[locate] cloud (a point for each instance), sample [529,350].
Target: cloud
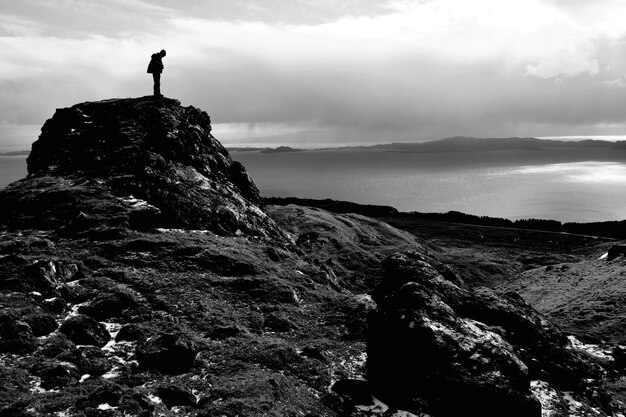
[375,70]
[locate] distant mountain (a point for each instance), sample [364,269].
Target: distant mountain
[281,149]
[469,144]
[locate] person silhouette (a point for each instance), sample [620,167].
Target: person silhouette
[155,67]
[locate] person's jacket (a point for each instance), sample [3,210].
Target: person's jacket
[155,65]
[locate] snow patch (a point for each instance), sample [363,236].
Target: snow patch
[606,255]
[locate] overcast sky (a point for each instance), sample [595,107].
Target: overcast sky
[308,72]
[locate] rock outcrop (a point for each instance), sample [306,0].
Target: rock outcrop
[437,346]
[138,163]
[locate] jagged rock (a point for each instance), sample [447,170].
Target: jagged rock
[16,336]
[55,374]
[46,275]
[92,360]
[167,352]
[107,166]
[437,346]
[131,333]
[176,395]
[84,330]
[58,346]
[108,305]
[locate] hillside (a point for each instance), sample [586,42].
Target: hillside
[471,144]
[142,274]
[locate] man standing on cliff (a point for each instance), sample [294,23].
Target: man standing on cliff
[155,67]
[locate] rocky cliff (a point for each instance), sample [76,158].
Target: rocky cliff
[140,274]
[136,163]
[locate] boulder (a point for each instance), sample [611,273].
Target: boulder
[92,360]
[132,333]
[84,330]
[615,251]
[16,336]
[107,306]
[42,324]
[437,346]
[167,352]
[58,346]
[55,374]
[45,275]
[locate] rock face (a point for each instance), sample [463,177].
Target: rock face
[437,346]
[133,163]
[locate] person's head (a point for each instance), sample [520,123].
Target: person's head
[162,53]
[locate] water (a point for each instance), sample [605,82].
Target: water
[565,185]
[12,168]
[573,185]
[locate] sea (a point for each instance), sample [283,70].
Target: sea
[564,185]
[569,186]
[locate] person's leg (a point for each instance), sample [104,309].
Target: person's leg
[157,83]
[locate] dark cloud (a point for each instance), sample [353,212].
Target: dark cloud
[327,72]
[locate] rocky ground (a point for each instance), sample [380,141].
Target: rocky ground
[141,274]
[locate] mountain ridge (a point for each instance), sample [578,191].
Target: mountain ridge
[468,144]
